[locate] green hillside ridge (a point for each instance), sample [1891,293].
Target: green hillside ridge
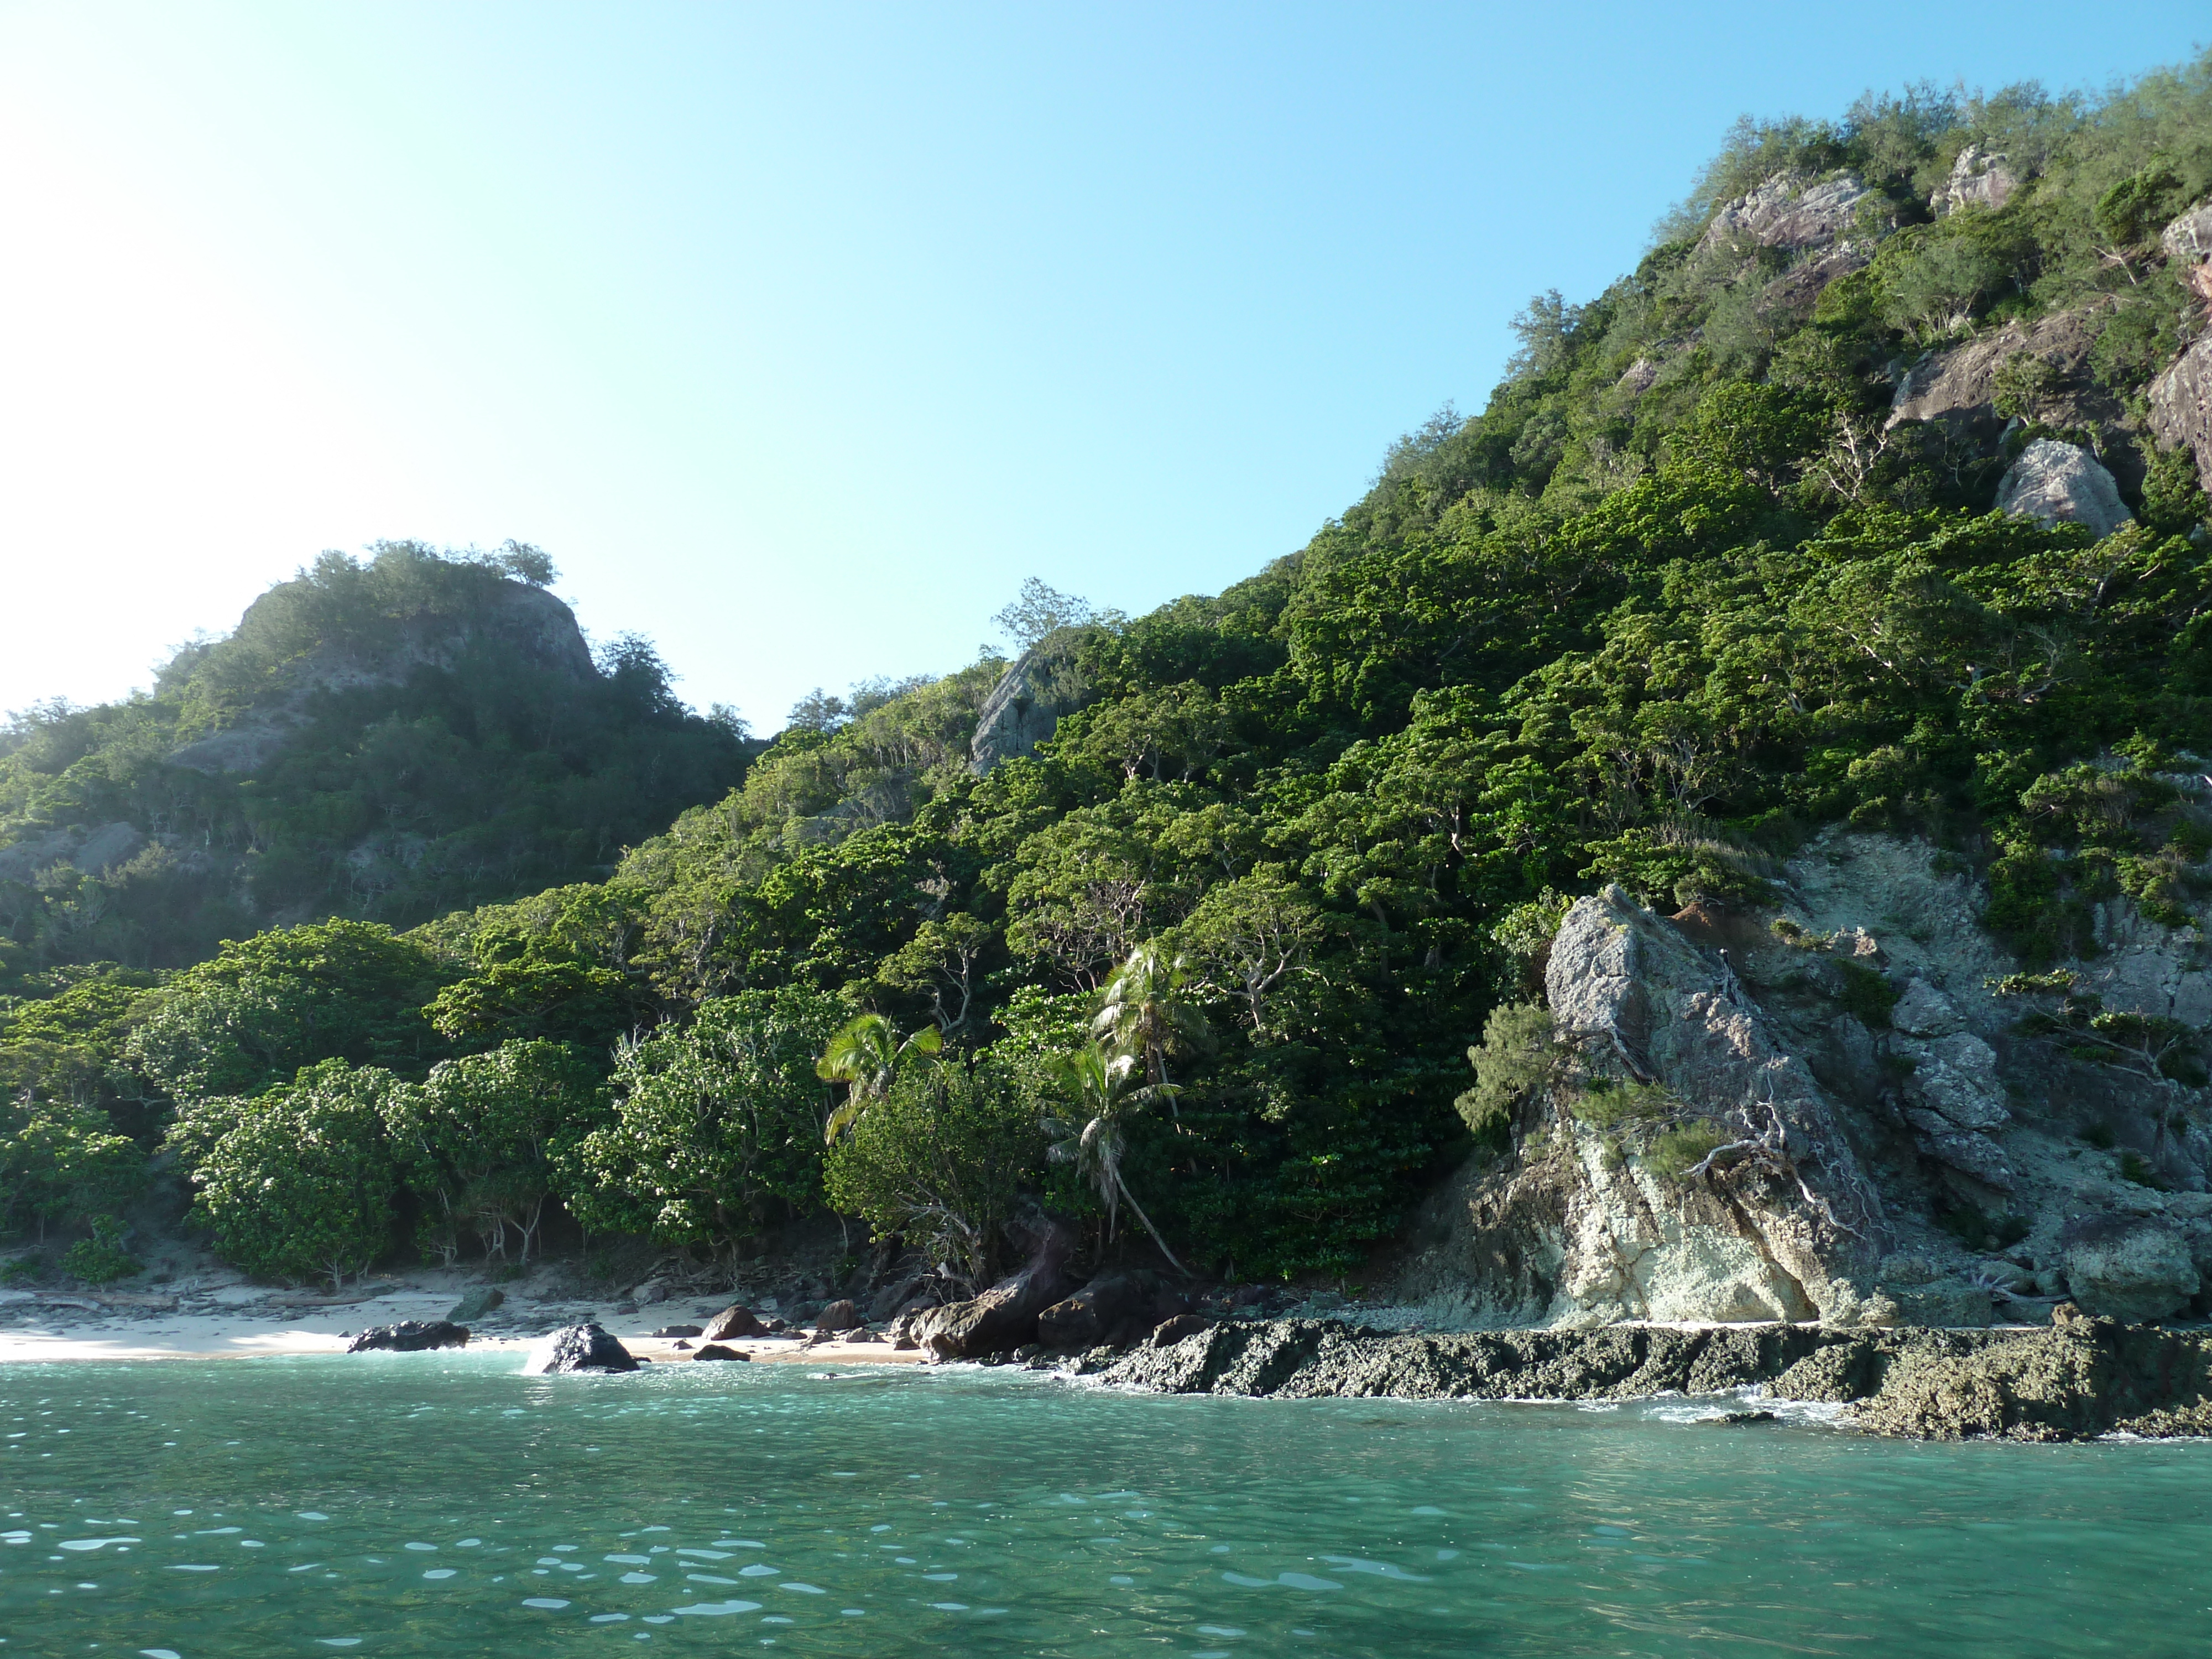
[1683,593]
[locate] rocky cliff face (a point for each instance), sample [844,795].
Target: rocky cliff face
[1876,1140]
[1026,707]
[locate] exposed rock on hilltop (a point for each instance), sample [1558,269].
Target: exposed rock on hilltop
[1788,211]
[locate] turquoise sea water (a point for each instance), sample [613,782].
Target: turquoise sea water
[435,1504]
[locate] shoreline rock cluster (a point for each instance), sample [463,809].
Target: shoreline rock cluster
[2075,1379]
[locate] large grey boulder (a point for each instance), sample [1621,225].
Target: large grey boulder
[2181,404]
[1112,1308]
[2059,482]
[1924,1011]
[1004,1316]
[1956,1077]
[1030,701]
[2128,1269]
[476,1303]
[1787,1223]
[1978,177]
[1788,211]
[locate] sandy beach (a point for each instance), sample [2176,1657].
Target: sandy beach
[245,1321]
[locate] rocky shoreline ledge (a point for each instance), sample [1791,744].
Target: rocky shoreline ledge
[2075,1379]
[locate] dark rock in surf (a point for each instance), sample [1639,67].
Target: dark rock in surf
[716,1351]
[583,1348]
[409,1336]
[680,1330]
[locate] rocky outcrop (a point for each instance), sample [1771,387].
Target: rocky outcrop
[2181,406]
[580,1348]
[1030,701]
[2068,1380]
[1113,1308]
[838,1316]
[1778,1220]
[2058,483]
[409,1336]
[1004,1316]
[1979,178]
[1855,1024]
[94,852]
[2187,245]
[1788,211]
[1958,387]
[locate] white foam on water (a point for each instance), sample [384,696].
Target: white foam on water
[304,1515]
[14,1537]
[193,1567]
[439,1572]
[469,1544]
[431,1548]
[712,1610]
[339,1641]
[659,1618]
[216,1532]
[547,1603]
[93,1543]
[157,1653]
[853,1612]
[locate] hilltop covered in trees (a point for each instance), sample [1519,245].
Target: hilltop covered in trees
[1697,581]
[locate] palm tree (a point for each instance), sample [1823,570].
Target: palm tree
[1101,1081]
[1143,1012]
[865,1055]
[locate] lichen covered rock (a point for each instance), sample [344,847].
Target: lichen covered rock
[2056,483]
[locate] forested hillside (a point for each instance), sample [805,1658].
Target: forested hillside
[1875,494]
[385,738]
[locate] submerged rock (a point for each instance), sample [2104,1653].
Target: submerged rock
[581,1348]
[409,1336]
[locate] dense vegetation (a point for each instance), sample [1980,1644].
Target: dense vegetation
[1676,600]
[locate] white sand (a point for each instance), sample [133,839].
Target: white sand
[250,1323]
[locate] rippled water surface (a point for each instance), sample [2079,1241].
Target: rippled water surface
[433,1503]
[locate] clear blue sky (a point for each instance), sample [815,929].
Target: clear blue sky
[800,335]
